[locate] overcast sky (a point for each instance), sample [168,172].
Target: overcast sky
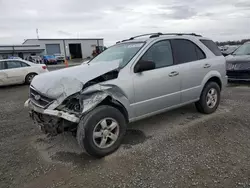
[115,20]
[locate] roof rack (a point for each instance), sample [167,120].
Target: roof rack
[179,34]
[132,38]
[153,35]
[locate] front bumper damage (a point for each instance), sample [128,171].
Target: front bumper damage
[55,121]
[51,122]
[54,113]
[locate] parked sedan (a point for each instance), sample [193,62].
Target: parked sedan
[49,59]
[238,64]
[13,71]
[35,59]
[14,57]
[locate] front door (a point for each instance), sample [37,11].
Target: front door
[15,71]
[3,74]
[157,89]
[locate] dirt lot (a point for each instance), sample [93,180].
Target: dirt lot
[181,148]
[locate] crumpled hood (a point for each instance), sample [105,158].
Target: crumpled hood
[70,80]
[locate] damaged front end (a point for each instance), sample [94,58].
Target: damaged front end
[65,112]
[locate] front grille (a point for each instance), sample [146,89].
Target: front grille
[243,74]
[39,99]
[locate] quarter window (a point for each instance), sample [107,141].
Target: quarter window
[212,47]
[24,64]
[160,53]
[186,51]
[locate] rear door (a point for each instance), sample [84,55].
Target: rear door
[194,67]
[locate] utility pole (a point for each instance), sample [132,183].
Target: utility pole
[13,50]
[65,58]
[37,33]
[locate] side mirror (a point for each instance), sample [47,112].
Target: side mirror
[144,66]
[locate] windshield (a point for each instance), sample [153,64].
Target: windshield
[243,50]
[120,52]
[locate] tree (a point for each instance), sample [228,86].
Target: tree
[238,42]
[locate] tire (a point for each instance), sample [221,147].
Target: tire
[202,105]
[29,78]
[91,123]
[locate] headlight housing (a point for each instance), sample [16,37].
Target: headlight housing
[71,104]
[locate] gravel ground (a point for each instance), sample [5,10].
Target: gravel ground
[181,148]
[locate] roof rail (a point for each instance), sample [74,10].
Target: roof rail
[180,34]
[132,38]
[153,35]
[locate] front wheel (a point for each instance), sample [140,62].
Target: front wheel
[209,99]
[101,131]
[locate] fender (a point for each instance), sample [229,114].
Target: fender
[94,95]
[210,75]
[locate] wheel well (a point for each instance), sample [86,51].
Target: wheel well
[117,105]
[30,74]
[216,80]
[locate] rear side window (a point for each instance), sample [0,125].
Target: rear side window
[13,64]
[186,51]
[212,46]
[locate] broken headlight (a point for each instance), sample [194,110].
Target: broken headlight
[71,104]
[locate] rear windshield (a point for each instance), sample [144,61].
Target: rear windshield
[212,46]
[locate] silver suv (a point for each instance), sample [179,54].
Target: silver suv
[134,79]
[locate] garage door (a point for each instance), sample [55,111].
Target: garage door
[52,49]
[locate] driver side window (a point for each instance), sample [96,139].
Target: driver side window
[160,53]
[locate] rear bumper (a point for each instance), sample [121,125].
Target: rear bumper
[238,75]
[55,113]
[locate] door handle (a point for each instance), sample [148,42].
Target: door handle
[174,73]
[207,66]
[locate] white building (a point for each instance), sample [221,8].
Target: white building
[75,48]
[72,48]
[22,51]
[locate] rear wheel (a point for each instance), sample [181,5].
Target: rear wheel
[29,78]
[101,131]
[209,99]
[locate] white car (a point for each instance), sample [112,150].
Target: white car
[15,71]
[85,62]
[59,57]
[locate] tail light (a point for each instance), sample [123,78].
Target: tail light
[44,67]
